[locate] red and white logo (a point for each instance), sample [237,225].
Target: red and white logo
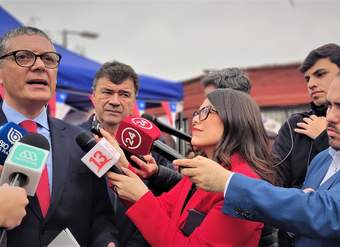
[142,122]
[99,159]
[131,138]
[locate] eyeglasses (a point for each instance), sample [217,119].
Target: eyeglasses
[204,112]
[25,58]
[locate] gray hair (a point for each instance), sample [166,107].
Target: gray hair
[25,30]
[233,78]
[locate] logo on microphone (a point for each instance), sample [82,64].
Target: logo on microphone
[99,159]
[142,122]
[28,155]
[13,136]
[131,138]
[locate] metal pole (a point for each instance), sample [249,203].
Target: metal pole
[64,35]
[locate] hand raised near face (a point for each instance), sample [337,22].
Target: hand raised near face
[311,126]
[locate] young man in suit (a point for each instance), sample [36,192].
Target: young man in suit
[313,213]
[69,195]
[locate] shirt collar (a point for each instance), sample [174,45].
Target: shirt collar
[334,153]
[16,117]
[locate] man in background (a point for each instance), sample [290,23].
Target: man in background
[233,78]
[114,91]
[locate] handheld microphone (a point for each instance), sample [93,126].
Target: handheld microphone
[10,133]
[25,162]
[139,136]
[166,128]
[100,157]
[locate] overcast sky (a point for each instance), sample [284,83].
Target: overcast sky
[177,40]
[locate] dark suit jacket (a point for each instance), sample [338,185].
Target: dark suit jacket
[79,199]
[129,236]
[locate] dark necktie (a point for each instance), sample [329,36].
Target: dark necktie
[43,189]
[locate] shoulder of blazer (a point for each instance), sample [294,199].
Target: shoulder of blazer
[317,163]
[323,155]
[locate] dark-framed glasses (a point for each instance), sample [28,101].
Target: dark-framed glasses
[204,112]
[25,58]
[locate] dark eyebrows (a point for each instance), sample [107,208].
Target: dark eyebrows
[321,70]
[105,89]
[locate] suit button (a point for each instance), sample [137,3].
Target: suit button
[238,211]
[247,214]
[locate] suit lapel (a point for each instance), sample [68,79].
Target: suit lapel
[195,202]
[320,172]
[60,162]
[328,184]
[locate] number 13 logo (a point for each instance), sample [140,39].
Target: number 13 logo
[99,159]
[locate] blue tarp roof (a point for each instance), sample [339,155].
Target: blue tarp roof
[76,73]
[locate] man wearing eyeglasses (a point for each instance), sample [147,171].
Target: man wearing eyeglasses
[69,195]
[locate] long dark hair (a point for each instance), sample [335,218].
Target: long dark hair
[244,132]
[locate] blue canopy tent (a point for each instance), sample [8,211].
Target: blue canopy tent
[76,73]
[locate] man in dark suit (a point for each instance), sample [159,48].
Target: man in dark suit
[69,195]
[115,88]
[313,213]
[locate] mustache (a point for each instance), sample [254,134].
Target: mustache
[332,126]
[112,106]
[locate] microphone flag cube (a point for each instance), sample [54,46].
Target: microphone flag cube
[136,135]
[27,160]
[101,157]
[10,133]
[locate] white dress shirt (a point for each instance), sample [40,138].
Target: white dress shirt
[335,165]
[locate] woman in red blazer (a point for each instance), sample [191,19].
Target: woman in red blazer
[228,129]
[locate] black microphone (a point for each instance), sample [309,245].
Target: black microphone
[167,129]
[166,151]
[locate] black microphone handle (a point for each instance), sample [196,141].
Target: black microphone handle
[116,169]
[3,237]
[175,132]
[167,129]
[166,151]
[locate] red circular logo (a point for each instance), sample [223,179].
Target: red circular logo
[142,122]
[131,138]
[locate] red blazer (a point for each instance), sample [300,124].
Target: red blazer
[160,219]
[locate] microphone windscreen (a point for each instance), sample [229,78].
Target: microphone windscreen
[36,140]
[100,157]
[148,117]
[86,141]
[26,161]
[136,135]
[10,133]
